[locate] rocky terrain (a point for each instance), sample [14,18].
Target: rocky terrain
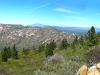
[27,36]
[93,70]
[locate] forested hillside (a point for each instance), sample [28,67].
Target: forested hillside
[51,58]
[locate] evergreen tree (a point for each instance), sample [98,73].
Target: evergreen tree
[53,45]
[50,48]
[91,37]
[47,51]
[81,40]
[4,55]
[14,52]
[64,44]
[74,43]
[98,35]
[8,52]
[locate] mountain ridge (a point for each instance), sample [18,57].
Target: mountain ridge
[81,31]
[27,36]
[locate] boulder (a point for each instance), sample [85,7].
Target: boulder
[98,67]
[82,70]
[93,70]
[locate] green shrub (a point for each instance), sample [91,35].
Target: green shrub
[25,51]
[56,58]
[93,55]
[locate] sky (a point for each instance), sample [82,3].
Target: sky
[81,13]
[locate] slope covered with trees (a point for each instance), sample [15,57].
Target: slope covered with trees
[52,59]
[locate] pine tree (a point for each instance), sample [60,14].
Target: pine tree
[53,45]
[76,40]
[8,52]
[14,52]
[49,49]
[98,35]
[64,44]
[91,37]
[4,55]
[81,40]
[74,43]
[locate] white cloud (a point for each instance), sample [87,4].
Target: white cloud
[39,7]
[79,18]
[96,14]
[64,10]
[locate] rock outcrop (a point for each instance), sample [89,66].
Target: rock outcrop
[82,70]
[93,70]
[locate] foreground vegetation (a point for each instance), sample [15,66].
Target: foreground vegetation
[50,59]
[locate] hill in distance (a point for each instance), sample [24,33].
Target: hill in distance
[81,31]
[28,36]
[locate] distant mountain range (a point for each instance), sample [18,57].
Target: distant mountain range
[28,36]
[77,30]
[35,34]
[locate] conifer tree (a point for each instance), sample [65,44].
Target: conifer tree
[81,40]
[98,35]
[4,55]
[53,45]
[64,44]
[76,40]
[92,37]
[47,51]
[50,48]
[8,52]
[14,52]
[74,43]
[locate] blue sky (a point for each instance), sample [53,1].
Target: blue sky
[81,13]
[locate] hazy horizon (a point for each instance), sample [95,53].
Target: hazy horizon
[80,13]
